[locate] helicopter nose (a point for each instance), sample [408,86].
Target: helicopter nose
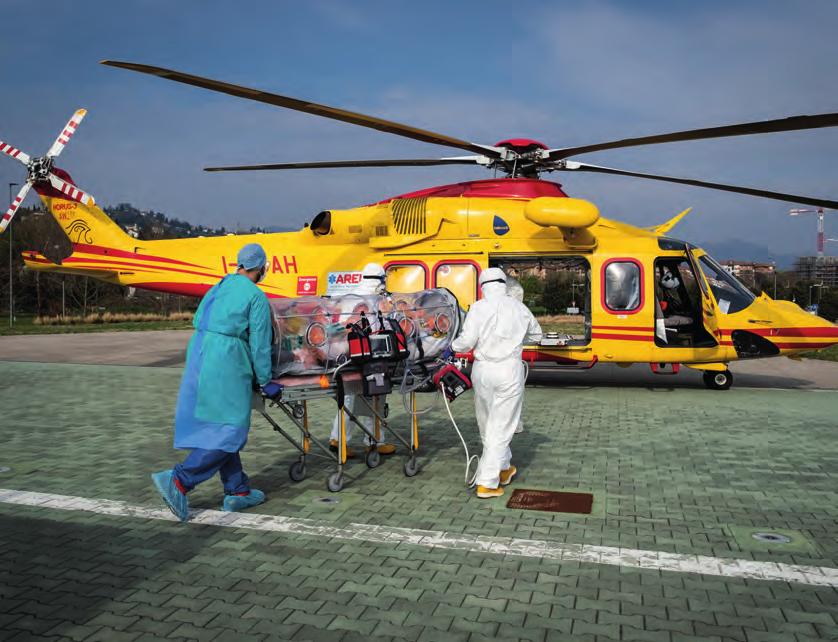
[803,330]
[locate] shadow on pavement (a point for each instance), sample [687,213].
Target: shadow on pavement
[635,377]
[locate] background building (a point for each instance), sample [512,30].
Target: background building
[820,269]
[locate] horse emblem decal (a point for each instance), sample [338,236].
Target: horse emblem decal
[79,232]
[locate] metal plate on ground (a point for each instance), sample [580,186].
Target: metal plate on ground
[551,501]
[771,538]
[750,538]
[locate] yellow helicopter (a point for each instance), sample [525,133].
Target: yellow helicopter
[646,297]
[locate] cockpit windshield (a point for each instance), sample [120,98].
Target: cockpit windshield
[731,295]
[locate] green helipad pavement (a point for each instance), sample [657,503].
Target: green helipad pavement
[687,472]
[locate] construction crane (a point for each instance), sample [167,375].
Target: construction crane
[819,212]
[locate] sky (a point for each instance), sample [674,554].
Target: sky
[564,73]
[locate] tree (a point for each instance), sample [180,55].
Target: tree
[533,290]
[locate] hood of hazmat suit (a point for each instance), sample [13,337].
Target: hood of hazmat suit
[498,325]
[230,348]
[514,289]
[373,280]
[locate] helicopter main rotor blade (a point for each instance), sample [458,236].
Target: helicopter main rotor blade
[400,162]
[792,123]
[791,198]
[308,107]
[9,215]
[66,134]
[70,191]
[14,152]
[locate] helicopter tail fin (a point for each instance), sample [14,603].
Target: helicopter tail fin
[84,224]
[665,227]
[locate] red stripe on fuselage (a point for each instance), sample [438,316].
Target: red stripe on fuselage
[631,328]
[187,289]
[622,337]
[104,264]
[108,251]
[805,346]
[166,268]
[811,331]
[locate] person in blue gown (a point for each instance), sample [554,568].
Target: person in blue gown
[229,351]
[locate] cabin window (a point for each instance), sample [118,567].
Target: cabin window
[677,304]
[731,295]
[557,290]
[622,281]
[460,278]
[406,277]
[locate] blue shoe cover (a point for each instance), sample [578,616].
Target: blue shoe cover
[164,482]
[233,503]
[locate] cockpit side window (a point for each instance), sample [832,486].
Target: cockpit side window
[731,295]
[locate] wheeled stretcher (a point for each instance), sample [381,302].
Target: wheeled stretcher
[293,400]
[367,347]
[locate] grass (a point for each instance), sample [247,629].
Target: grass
[112,317]
[562,323]
[29,324]
[108,322]
[827,354]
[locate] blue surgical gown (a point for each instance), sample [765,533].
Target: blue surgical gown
[230,349]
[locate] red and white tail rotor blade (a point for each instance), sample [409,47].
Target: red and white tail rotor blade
[14,152]
[65,136]
[7,217]
[71,191]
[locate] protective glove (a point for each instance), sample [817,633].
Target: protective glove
[271,389]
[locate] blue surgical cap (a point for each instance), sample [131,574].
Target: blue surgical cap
[252,256]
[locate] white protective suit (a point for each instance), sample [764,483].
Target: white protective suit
[516,291]
[372,282]
[496,328]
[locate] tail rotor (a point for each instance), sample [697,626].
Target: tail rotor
[39,170]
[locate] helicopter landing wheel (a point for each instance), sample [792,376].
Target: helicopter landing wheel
[718,380]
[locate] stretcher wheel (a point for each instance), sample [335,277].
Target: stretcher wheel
[411,467]
[373,458]
[297,471]
[335,482]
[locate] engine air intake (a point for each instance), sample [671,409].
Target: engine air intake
[409,215]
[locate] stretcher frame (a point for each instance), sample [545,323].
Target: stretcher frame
[293,402]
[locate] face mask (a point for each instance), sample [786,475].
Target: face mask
[379,286]
[262,273]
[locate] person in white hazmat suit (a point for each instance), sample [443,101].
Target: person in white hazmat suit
[516,291]
[496,328]
[373,280]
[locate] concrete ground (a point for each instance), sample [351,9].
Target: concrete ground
[682,477]
[168,348]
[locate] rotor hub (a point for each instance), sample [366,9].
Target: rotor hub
[521,157]
[521,145]
[40,168]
